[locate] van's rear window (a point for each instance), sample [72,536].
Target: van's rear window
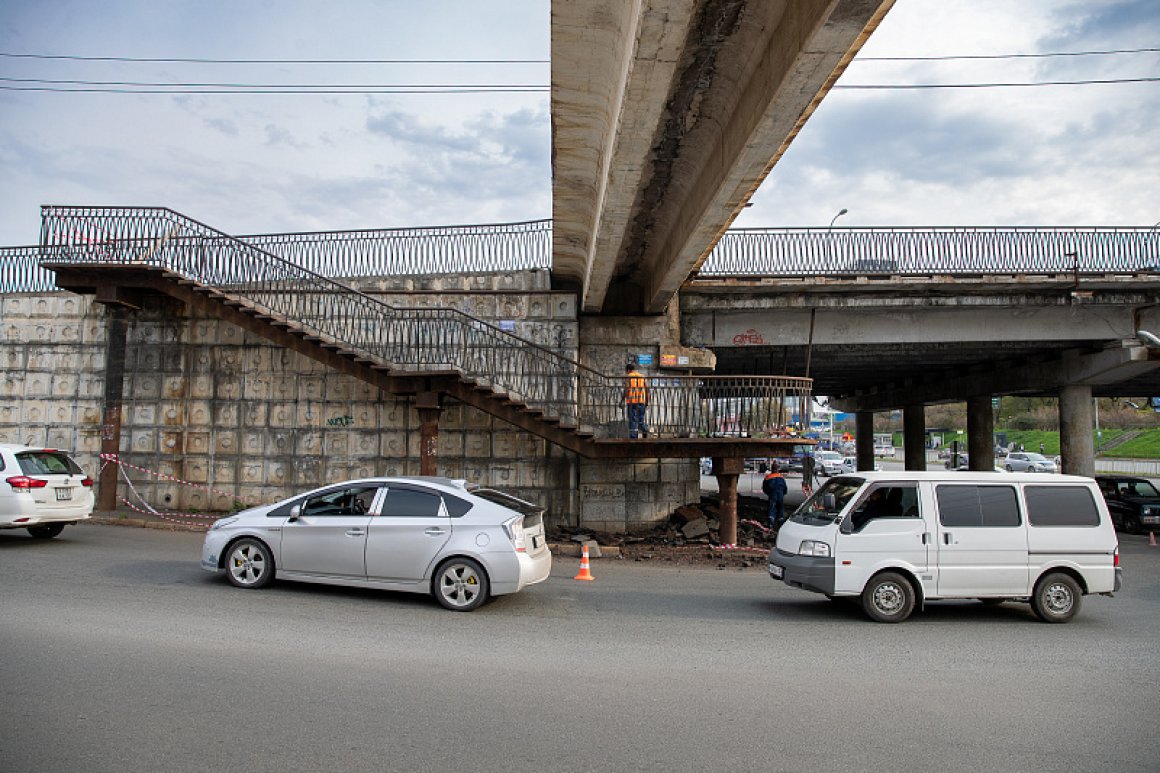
[1061,506]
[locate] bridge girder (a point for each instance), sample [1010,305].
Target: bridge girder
[666,116]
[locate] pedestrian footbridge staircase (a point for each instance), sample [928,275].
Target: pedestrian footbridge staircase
[119,255]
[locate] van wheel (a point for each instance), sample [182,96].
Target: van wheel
[46,530]
[1057,598]
[888,598]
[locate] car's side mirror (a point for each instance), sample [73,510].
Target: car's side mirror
[295,513]
[846,526]
[830,502]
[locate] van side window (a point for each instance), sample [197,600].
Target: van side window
[1061,506]
[989,507]
[886,501]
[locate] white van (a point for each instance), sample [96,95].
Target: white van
[899,539]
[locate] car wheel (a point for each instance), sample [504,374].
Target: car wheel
[888,598]
[1010,469]
[1057,598]
[460,584]
[46,530]
[249,564]
[1132,524]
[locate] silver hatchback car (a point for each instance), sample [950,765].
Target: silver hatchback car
[1027,461]
[460,543]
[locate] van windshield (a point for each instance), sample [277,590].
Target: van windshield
[825,504]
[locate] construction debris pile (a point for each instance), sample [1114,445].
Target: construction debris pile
[687,528]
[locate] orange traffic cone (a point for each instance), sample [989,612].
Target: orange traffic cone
[584,573]
[1152,538]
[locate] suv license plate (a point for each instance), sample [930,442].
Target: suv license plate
[63,494]
[776,572]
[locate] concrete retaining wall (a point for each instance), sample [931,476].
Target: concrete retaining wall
[234,417]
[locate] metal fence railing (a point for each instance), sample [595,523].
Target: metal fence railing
[20,271]
[434,251]
[413,340]
[921,251]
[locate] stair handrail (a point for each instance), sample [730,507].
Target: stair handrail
[432,340]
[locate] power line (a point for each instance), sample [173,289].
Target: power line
[206,60]
[1109,52]
[354,90]
[887,86]
[171,60]
[295,86]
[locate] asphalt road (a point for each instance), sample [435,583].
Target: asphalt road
[118,653]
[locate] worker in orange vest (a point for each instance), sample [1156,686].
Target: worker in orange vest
[774,487]
[635,401]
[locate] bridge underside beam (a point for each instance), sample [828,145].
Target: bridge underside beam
[666,116]
[1125,363]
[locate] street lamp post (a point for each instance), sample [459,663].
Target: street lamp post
[829,237]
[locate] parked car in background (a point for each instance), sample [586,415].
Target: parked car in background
[1028,461]
[42,490]
[1134,503]
[459,543]
[827,463]
[959,461]
[850,464]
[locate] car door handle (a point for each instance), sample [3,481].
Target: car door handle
[356,532]
[926,538]
[946,537]
[435,531]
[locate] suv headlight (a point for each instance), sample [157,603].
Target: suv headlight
[812,547]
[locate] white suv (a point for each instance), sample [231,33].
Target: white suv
[42,490]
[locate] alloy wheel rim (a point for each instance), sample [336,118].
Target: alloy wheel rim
[459,585]
[247,564]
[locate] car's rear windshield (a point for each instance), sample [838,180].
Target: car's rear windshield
[508,501]
[47,463]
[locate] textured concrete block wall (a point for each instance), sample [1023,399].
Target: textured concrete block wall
[238,419]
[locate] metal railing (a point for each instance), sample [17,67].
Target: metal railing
[922,251]
[413,340]
[20,271]
[432,251]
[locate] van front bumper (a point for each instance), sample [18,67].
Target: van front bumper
[807,572]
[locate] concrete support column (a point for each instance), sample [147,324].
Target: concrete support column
[1076,422]
[864,439]
[430,408]
[980,434]
[914,437]
[116,334]
[727,470]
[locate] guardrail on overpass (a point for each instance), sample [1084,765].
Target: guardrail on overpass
[922,251]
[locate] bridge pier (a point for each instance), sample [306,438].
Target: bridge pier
[1076,419]
[430,408]
[727,470]
[914,437]
[980,434]
[116,334]
[864,439]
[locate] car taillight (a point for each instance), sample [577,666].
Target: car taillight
[1116,557]
[25,483]
[515,530]
[87,482]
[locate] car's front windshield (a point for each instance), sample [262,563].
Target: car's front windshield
[825,504]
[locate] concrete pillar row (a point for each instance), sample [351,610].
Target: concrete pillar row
[1076,424]
[980,434]
[864,439]
[914,437]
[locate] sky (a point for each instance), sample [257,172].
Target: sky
[258,163]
